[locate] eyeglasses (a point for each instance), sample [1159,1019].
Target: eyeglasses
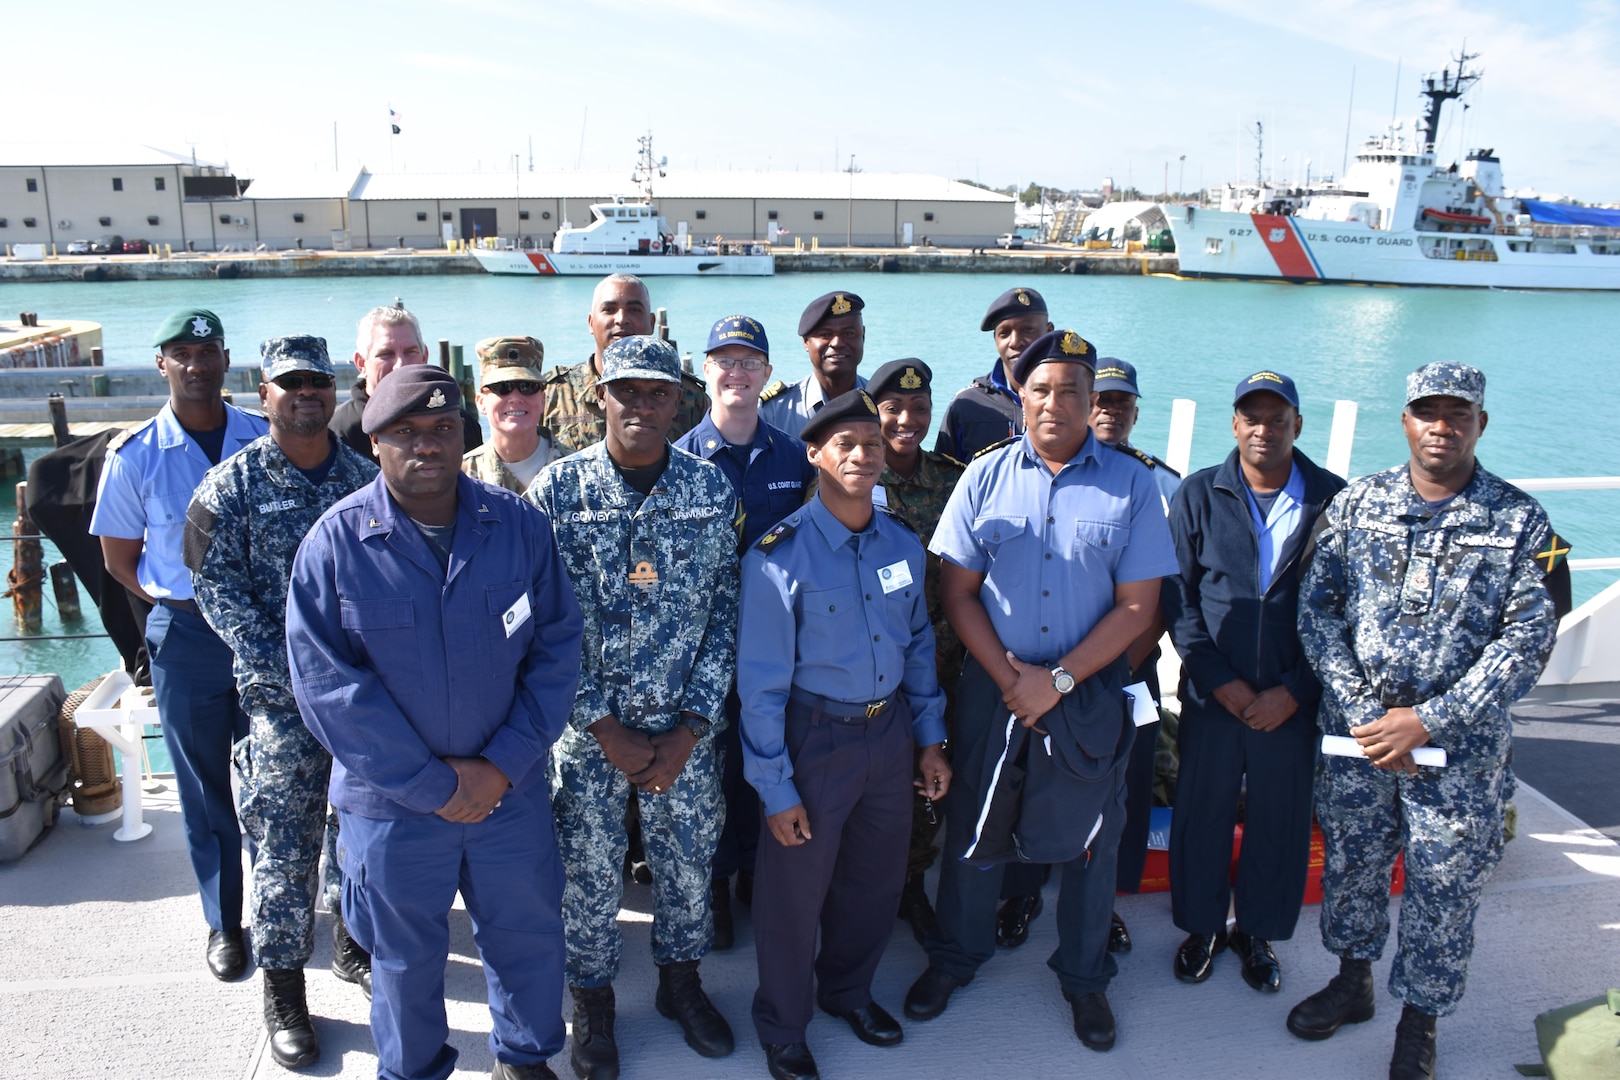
[726,363]
[522,386]
[293,383]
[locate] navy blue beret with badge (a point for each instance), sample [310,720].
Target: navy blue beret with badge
[855,406]
[1270,382]
[738,330]
[419,388]
[827,307]
[1114,374]
[1056,347]
[1013,302]
[908,376]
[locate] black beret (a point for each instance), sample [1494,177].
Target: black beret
[1056,346]
[420,388]
[908,376]
[855,405]
[1012,302]
[825,307]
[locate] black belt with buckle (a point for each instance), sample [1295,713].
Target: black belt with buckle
[188,606]
[841,710]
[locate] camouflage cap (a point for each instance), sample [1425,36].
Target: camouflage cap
[295,352]
[189,324]
[640,357]
[1446,378]
[1058,347]
[420,388]
[509,359]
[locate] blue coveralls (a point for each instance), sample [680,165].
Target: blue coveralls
[146,485]
[397,664]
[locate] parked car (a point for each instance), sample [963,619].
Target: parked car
[136,247]
[107,245]
[1010,242]
[78,247]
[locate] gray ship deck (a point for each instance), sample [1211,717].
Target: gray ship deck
[101,969]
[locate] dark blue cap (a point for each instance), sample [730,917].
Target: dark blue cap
[857,405]
[419,388]
[1269,382]
[1113,374]
[908,376]
[1019,301]
[738,330]
[827,307]
[1055,346]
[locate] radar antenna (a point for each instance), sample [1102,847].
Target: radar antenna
[646,168]
[1446,86]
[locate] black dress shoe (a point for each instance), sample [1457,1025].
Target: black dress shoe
[350,962]
[1260,967]
[931,992]
[681,998]
[286,1018]
[725,930]
[1093,1020]
[1347,999]
[1012,921]
[1196,957]
[917,911]
[227,954]
[872,1024]
[1119,938]
[790,1061]
[505,1070]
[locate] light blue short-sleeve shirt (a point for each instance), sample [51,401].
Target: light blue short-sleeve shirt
[1052,548]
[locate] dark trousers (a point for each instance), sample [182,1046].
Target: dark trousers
[1217,753]
[197,703]
[739,835]
[854,779]
[967,896]
[400,878]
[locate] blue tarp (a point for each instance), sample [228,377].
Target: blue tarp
[1558,214]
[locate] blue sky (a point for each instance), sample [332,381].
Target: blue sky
[1065,94]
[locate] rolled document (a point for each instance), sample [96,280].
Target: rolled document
[1345,746]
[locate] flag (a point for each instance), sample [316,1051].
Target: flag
[393,121]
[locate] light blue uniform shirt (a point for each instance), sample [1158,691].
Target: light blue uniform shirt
[146,485]
[816,614]
[1052,548]
[793,406]
[1274,529]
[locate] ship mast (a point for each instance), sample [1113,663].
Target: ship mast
[646,168]
[1442,88]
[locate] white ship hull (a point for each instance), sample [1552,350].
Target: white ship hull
[548,263]
[1218,244]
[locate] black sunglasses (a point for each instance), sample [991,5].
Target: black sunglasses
[523,386]
[295,382]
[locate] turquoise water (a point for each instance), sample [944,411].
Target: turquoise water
[1549,357]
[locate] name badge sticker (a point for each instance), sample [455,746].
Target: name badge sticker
[516,615]
[894,576]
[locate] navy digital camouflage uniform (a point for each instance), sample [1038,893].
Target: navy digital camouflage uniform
[657,580]
[243,527]
[1444,611]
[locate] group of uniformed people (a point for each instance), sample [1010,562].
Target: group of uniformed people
[757,631]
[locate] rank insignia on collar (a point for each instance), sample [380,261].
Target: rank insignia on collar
[766,542]
[482,509]
[710,445]
[910,380]
[373,524]
[840,306]
[644,575]
[1557,551]
[437,400]
[1022,297]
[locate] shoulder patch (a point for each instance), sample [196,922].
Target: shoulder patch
[1008,441]
[783,528]
[1554,554]
[950,460]
[772,390]
[1145,458]
[897,516]
[122,437]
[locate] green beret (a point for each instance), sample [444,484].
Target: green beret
[190,324]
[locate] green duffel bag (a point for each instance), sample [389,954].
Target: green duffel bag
[1579,1042]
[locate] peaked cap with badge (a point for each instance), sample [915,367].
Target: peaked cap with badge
[1267,382]
[906,376]
[189,325]
[1013,302]
[829,306]
[856,406]
[420,388]
[509,359]
[294,352]
[1054,347]
[1115,374]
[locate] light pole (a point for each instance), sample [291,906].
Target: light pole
[849,235]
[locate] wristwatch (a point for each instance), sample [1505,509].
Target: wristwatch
[1062,681]
[696,724]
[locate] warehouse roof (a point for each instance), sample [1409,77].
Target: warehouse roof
[92,155]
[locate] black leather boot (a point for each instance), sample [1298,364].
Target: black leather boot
[1348,999]
[286,1017]
[350,962]
[594,1056]
[1414,1046]
[681,998]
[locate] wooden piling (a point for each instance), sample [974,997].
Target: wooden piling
[59,423]
[66,588]
[28,566]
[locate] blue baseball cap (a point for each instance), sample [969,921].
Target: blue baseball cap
[1113,374]
[1269,382]
[738,330]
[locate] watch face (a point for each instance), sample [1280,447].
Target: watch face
[1062,681]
